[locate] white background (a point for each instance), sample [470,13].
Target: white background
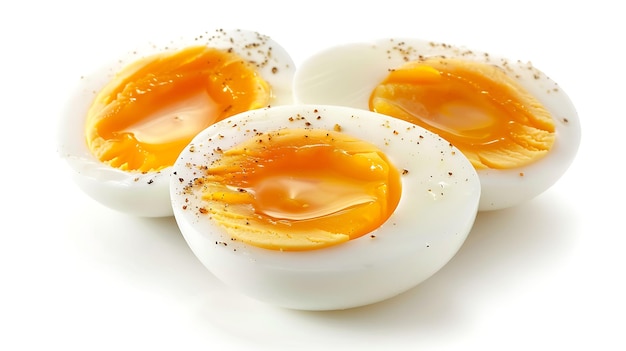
[74,275]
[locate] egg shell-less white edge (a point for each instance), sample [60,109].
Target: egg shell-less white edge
[147,194]
[347,74]
[439,202]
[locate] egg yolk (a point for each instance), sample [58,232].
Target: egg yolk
[145,116]
[477,107]
[300,189]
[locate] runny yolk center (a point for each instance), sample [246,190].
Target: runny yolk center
[477,107]
[301,189]
[143,118]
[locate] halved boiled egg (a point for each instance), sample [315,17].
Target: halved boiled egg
[322,207]
[517,127]
[127,122]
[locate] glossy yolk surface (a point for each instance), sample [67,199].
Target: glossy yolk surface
[144,117]
[490,117]
[298,189]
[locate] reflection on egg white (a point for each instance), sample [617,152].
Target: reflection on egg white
[147,194]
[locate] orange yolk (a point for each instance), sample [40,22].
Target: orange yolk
[143,118]
[300,189]
[490,117]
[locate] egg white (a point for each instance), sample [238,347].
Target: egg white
[438,205]
[147,194]
[346,75]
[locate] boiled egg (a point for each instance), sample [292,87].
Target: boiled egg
[127,122]
[319,207]
[518,128]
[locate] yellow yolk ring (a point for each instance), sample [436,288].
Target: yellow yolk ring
[143,118]
[300,189]
[477,107]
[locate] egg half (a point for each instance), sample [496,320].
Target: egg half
[517,126]
[318,207]
[126,123]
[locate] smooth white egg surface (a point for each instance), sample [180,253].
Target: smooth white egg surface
[126,122]
[517,126]
[261,204]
